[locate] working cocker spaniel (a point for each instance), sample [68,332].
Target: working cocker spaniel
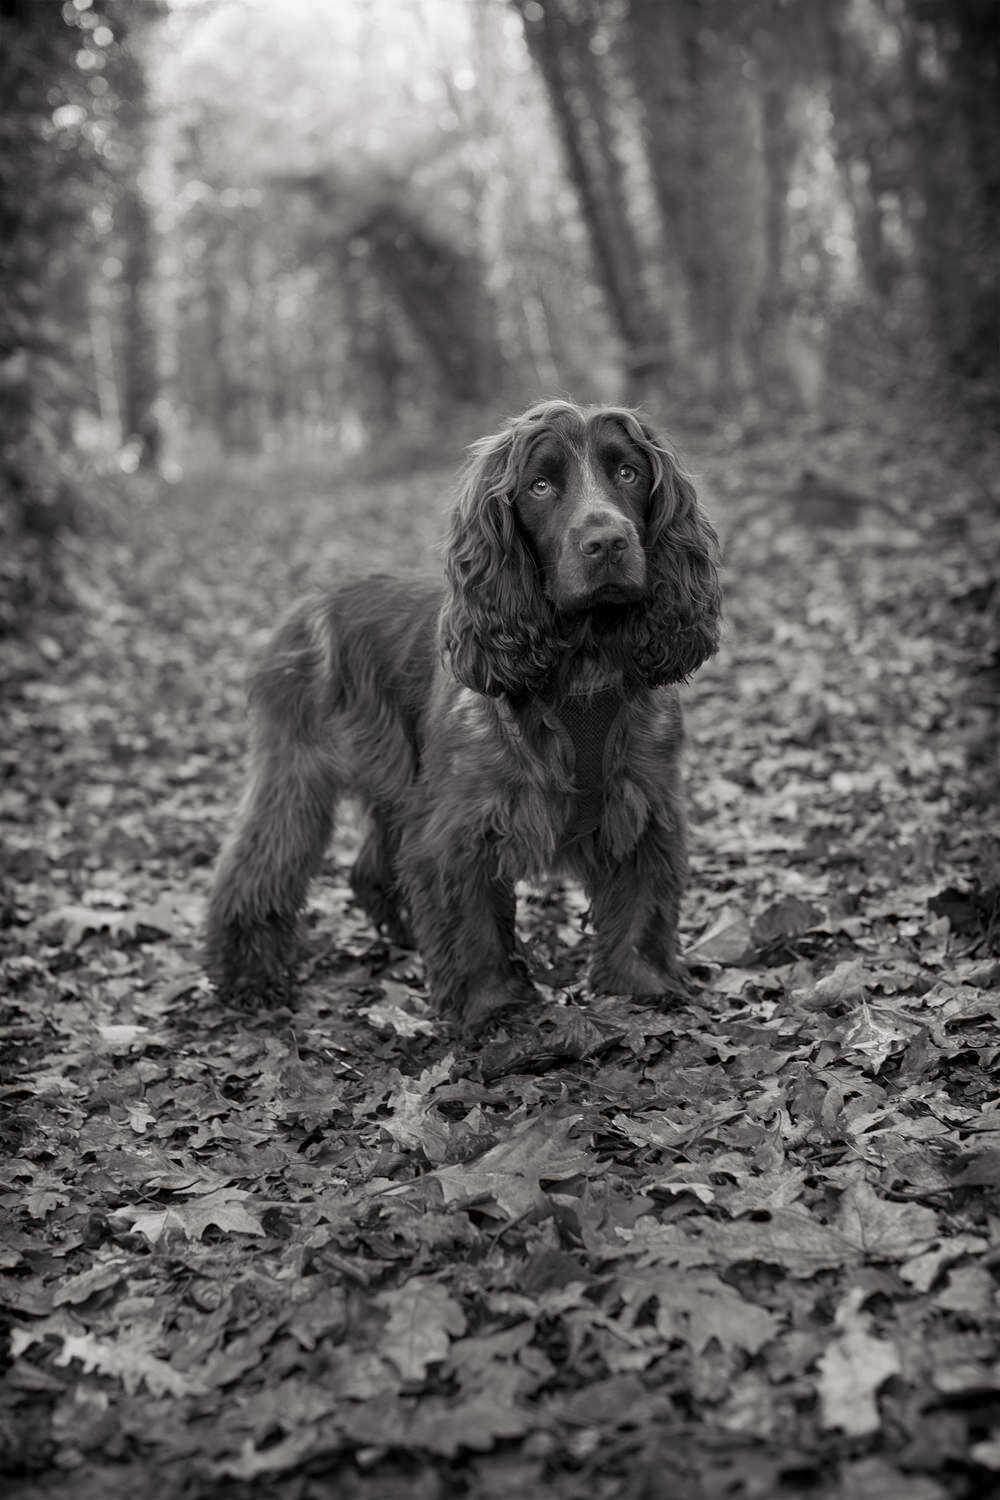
[520,719]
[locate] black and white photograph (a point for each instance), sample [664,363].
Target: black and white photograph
[499,749]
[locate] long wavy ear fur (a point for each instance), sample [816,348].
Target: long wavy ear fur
[679,627]
[496,626]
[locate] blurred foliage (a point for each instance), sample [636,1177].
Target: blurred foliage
[366,220]
[46,162]
[234,226]
[60,165]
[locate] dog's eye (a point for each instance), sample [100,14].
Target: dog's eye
[540,487]
[627,473]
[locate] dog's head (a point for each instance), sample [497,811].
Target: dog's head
[572,515]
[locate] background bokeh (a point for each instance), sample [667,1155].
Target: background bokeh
[242,226]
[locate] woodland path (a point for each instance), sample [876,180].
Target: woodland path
[746,1247]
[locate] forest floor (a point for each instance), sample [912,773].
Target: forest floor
[747,1246]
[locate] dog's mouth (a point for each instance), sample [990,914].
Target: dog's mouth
[613,593]
[610,596]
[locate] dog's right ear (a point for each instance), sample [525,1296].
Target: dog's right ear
[496,627]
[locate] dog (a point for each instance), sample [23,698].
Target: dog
[523,718]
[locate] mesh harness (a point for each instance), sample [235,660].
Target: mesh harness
[586,724]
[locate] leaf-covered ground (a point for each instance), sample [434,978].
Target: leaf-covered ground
[747,1247]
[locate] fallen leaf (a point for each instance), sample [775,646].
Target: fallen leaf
[970,1291]
[790,917]
[987,1452]
[224,1208]
[851,1370]
[876,1479]
[130,1363]
[103,1277]
[436,1424]
[980,1170]
[789,1237]
[402,1010]
[922,1271]
[726,941]
[510,1174]
[844,985]
[277,1458]
[698,1308]
[423,1319]
[882,1229]
[412,1120]
[873,1035]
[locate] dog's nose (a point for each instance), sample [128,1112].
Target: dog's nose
[605,540]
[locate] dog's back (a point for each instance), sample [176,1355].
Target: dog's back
[383,636]
[381,633]
[366,646]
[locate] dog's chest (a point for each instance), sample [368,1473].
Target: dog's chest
[587,725]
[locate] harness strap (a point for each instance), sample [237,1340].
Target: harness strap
[586,724]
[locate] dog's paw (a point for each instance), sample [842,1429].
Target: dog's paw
[486,997]
[257,994]
[253,987]
[250,964]
[633,976]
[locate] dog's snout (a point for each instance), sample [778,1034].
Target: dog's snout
[603,539]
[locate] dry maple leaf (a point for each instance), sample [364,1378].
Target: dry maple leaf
[224,1209]
[510,1174]
[882,1229]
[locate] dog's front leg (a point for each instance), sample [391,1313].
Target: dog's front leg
[635,909]
[463,921]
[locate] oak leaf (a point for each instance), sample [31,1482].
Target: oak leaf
[129,1362]
[423,1319]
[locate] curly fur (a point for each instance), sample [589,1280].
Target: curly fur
[577,559]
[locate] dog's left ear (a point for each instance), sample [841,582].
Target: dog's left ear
[679,628]
[496,626]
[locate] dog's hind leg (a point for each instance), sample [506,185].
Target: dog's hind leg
[285,819]
[265,868]
[504,903]
[375,882]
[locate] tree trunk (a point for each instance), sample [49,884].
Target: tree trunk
[865,152]
[559,39]
[440,291]
[952,59]
[701,125]
[139,362]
